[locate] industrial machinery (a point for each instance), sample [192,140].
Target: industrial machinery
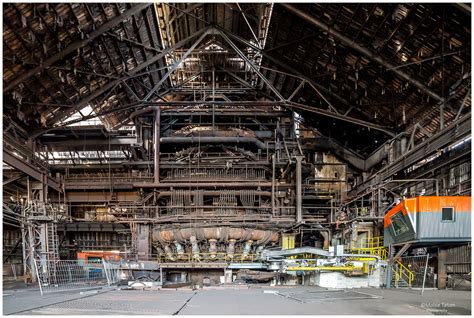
[191,141]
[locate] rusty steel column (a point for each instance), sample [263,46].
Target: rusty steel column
[299,201]
[442,272]
[156,145]
[273,185]
[143,242]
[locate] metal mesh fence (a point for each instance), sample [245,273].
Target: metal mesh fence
[113,272]
[64,275]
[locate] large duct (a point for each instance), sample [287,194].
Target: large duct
[220,234]
[228,236]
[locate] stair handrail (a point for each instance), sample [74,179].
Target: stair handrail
[405,272]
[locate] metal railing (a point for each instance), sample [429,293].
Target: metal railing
[66,275]
[372,242]
[372,246]
[402,275]
[416,265]
[378,251]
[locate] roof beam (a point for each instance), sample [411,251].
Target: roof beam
[86,100]
[76,45]
[30,170]
[376,58]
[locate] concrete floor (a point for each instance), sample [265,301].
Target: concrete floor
[239,300]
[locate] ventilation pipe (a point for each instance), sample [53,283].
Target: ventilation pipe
[179,250]
[213,248]
[259,250]
[231,249]
[169,253]
[325,235]
[247,247]
[299,195]
[194,248]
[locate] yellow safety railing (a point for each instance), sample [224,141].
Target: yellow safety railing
[324,268]
[371,242]
[371,246]
[401,271]
[378,251]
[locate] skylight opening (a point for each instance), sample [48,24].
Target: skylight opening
[86,111]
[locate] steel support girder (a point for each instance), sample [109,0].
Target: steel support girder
[78,44]
[86,100]
[325,143]
[286,104]
[156,145]
[251,64]
[296,74]
[197,139]
[364,51]
[175,65]
[30,170]
[340,117]
[12,179]
[223,112]
[440,140]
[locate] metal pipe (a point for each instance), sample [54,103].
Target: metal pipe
[195,247]
[424,275]
[197,139]
[179,248]
[269,254]
[212,248]
[299,201]
[325,235]
[156,141]
[362,255]
[205,185]
[247,247]
[213,193]
[273,184]
[351,43]
[231,248]
[169,253]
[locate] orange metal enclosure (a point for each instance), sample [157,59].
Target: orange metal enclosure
[429,219]
[98,255]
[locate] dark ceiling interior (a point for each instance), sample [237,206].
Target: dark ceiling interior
[389,65]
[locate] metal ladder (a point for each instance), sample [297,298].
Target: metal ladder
[53,241]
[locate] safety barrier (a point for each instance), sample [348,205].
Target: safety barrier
[66,275]
[372,246]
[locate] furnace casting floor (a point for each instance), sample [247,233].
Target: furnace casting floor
[239,301]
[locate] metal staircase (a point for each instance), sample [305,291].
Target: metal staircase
[403,276]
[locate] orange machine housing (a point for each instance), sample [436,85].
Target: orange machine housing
[87,256]
[421,219]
